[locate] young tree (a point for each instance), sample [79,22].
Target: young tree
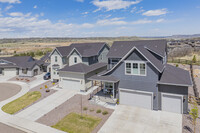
[194,113]
[194,60]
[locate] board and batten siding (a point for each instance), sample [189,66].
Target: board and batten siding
[102,57]
[142,83]
[72,56]
[59,62]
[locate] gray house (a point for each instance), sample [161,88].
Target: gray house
[72,65]
[138,75]
[25,66]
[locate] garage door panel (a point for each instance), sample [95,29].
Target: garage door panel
[71,84]
[172,103]
[137,99]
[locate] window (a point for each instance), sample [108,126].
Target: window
[75,59]
[135,68]
[128,68]
[56,58]
[24,71]
[142,69]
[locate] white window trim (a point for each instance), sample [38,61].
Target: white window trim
[138,62]
[75,59]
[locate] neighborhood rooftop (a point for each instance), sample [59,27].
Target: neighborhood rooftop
[84,49]
[83,68]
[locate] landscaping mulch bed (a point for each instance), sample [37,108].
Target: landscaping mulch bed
[42,91]
[23,79]
[74,105]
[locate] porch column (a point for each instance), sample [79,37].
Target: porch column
[113,90]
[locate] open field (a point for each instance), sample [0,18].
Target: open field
[9,47]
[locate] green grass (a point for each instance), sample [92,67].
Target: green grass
[75,123]
[22,102]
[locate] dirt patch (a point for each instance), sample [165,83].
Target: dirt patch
[8,90]
[74,105]
[23,79]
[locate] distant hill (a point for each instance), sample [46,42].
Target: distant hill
[184,36]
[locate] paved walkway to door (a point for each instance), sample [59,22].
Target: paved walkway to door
[127,119]
[41,108]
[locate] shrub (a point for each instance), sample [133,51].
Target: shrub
[105,112]
[91,110]
[176,65]
[85,108]
[98,111]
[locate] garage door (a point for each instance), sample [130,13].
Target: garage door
[10,72]
[171,103]
[138,99]
[71,84]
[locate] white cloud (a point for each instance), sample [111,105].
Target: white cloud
[157,12]
[10,1]
[133,9]
[35,7]
[80,0]
[113,4]
[113,21]
[8,7]
[19,14]
[85,13]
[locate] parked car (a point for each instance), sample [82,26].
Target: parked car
[47,76]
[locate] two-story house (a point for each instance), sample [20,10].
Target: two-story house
[138,75]
[71,65]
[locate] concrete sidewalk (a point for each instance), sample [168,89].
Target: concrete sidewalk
[38,81]
[27,125]
[41,108]
[23,91]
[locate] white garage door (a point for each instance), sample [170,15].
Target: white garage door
[138,99]
[172,103]
[10,72]
[71,84]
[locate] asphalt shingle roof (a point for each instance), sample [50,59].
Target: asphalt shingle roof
[85,49]
[20,61]
[83,68]
[175,76]
[120,48]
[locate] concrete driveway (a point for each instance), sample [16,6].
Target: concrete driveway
[126,119]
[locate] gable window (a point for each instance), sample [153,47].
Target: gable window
[135,68]
[56,58]
[128,68]
[75,59]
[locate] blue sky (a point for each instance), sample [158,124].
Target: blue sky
[103,18]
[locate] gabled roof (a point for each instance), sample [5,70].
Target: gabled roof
[175,76]
[83,68]
[88,49]
[120,48]
[45,57]
[19,61]
[84,49]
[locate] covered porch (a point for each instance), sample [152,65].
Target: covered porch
[108,91]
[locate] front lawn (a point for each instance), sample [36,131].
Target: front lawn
[75,123]
[22,102]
